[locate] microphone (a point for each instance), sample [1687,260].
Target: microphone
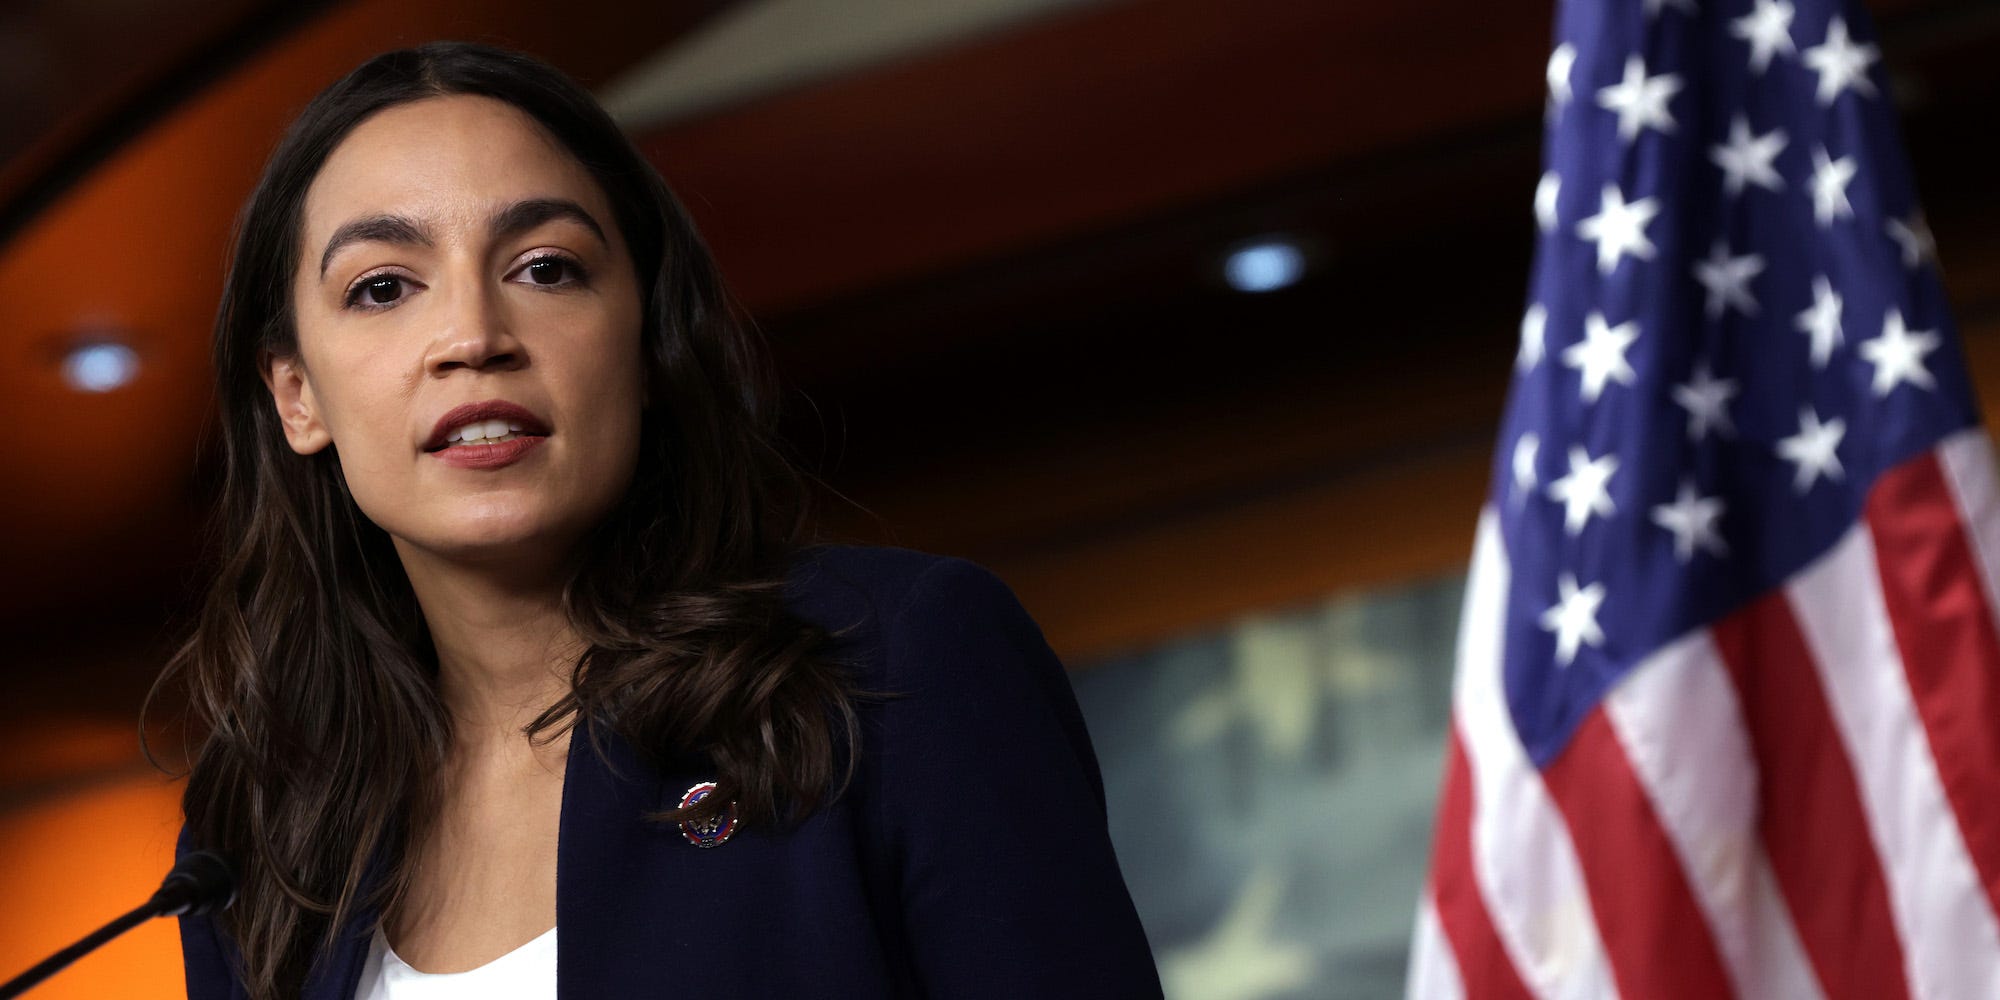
[201,881]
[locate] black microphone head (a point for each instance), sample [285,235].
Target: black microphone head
[201,881]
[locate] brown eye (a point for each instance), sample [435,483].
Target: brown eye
[383,290]
[547,271]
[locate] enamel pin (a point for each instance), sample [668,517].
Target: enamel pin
[711,832]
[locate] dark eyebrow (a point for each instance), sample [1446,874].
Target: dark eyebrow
[374,229]
[522,216]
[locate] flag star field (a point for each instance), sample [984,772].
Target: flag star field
[1735,326]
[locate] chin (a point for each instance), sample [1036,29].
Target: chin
[493,536]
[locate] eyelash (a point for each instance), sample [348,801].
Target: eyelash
[574,272]
[575,275]
[352,300]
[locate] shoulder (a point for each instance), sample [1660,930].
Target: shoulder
[977,794]
[967,674]
[881,577]
[895,597]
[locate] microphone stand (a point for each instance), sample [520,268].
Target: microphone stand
[199,882]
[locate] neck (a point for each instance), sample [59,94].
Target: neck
[505,650]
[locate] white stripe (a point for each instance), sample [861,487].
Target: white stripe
[1522,856]
[1781,968]
[1950,941]
[1682,729]
[1433,971]
[1967,458]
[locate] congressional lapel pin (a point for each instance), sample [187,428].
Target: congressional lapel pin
[711,832]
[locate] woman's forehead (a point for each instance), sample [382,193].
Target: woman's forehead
[450,161]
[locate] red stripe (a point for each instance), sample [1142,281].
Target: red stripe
[1483,965]
[1951,650]
[1658,940]
[1809,806]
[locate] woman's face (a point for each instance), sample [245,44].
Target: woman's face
[468,334]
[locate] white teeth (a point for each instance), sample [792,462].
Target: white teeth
[509,436]
[484,432]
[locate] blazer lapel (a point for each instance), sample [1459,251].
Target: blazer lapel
[601,833]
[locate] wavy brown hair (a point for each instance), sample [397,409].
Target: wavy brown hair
[310,675]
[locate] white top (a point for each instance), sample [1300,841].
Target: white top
[526,973]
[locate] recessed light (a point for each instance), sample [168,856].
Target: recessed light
[100,366]
[1265,265]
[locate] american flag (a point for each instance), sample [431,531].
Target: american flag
[1726,719]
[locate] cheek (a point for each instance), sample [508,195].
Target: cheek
[616,367]
[617,403]
[362,404]
[614,378]
[366,416]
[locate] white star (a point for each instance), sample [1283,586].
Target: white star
[1574,617]
[1728,280]
[1840,63]
[1561,62]
[1706,399]
[1822,321]
[1768,29]
[1829,186]
[1813,448]
[1585,491]
[1547,190]
[1914,236]
[1898,354]
[1746,158]
[1534,326]
[1619,228]
[1527,449]
[1639,100]
[1691,517]
[1653,7]
[1601,356]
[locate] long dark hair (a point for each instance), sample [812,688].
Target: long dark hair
[310,674]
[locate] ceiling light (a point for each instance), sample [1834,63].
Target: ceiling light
[100,366]
[1265,265]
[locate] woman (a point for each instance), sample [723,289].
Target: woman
[517,672]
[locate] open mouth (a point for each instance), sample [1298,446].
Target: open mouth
[483,432]
[483,425]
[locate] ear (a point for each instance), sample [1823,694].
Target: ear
[298,410]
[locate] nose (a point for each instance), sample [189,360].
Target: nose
[474,334]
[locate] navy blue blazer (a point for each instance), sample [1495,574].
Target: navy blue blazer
[969,859]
